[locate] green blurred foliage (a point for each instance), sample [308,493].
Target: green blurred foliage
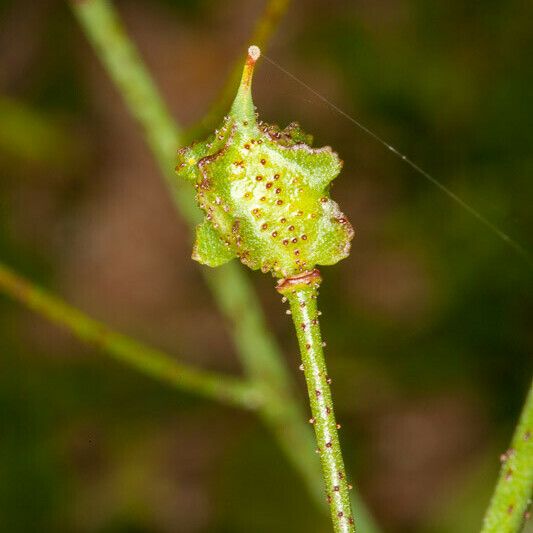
[428,322]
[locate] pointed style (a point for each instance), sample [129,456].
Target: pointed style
[265,193]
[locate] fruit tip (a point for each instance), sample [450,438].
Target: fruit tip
[254,52]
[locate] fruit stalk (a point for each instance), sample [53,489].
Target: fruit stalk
[302,294]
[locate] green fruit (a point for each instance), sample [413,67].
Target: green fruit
[265,193]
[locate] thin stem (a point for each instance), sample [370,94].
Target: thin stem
[125,67]
[303,303]
[147,360]
[265,27]
[512,495]
[257,349]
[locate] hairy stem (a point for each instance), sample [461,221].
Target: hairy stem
[512,495]
[303,303]
[257,349]
[147,360]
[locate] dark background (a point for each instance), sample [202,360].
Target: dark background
[428,322]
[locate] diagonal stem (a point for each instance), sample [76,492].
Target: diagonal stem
[147,360]
[512,495]
[302,298]
[125,67]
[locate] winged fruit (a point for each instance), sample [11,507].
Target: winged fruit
[265,193]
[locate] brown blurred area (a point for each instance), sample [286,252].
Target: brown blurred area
[428,322]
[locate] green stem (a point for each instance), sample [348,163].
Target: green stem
[125,67]
[147,360]
[513,492]
[231,289]
[303,303]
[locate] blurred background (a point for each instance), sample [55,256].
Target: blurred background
[428,322]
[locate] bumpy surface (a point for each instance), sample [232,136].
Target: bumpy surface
[265,194]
